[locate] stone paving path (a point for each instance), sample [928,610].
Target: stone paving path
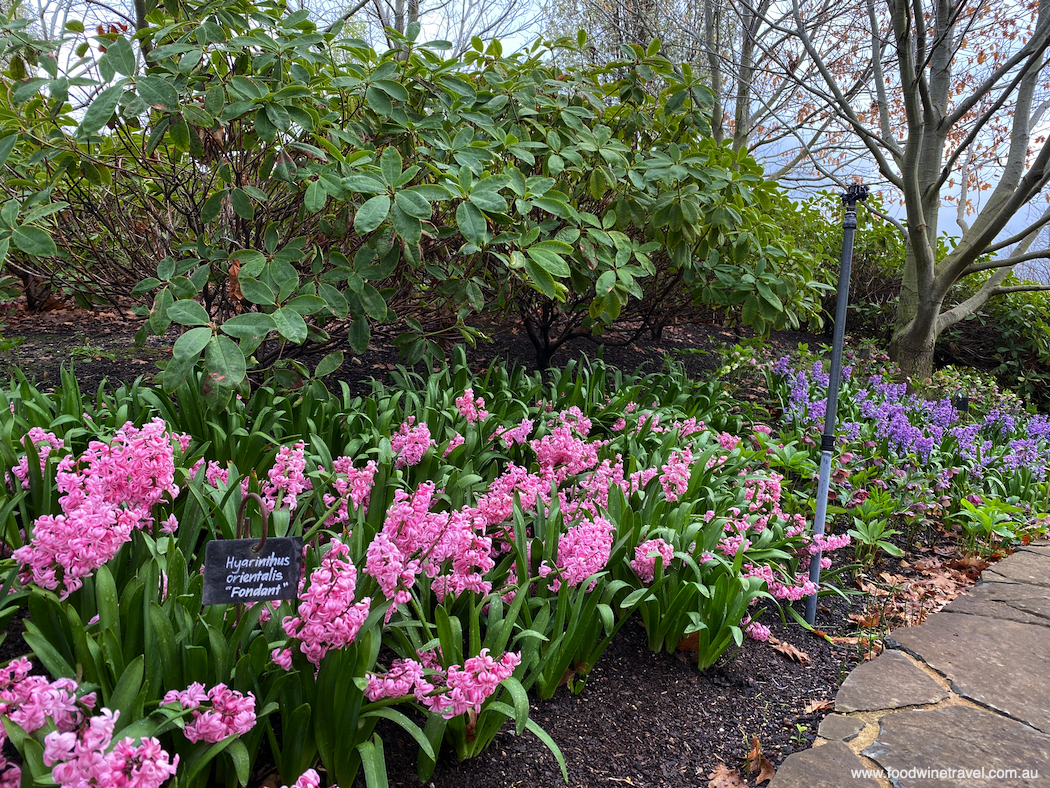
[968,690]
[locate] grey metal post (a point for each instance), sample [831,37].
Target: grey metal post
[855,193]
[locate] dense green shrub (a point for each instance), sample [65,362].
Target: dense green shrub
[1010,338]
[878,257]
[275,185]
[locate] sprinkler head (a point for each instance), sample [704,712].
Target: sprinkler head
[855,192]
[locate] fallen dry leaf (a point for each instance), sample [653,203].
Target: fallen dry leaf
[971,566]
[724,777]
[863,642]
[929,564]
[766,772]
[871,589]
[789,651]
[690,642]
[867,620]
[754,756]
[758,764]
[819,705]
[892,580]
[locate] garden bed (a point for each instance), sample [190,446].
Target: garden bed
[648,719]
[641,718]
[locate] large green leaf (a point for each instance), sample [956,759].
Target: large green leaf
[224,361]
[212,206]
[242,204]
[543,280]
[33,240]
[358,334]
[158,317]
[190,344]
[487,198]
[373,302]
[315,197]
[257,292]
[158,92]
[335,300]
[364,184]
[187,312]
[750,312]
[7,144]
[26,90]
[101,109]
[769,296]
[251,324]
[329,364]
[372,214]
[291,325]
[408,228]
[413,204]
[549,261]
[390,166]
[179,133]
[471,223]
[251,261]
[122,56]
[306,304]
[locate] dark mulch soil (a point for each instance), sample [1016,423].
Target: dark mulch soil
[97,345]
[647,719]
[100,345]
[642,719]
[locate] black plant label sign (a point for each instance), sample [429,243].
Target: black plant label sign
[237,572]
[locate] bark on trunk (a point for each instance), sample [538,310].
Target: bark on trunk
[913,343]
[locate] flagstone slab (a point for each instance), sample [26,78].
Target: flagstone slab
[889,681]
[1000,664]
[1010,601]
[1024,566]
[830,765]
[839,727]
[960,738]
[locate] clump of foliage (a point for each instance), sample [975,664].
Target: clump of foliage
[878,258]
[1009,338]
[297,186]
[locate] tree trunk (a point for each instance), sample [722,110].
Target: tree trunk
[714,65]
[914,339]
[142,8]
